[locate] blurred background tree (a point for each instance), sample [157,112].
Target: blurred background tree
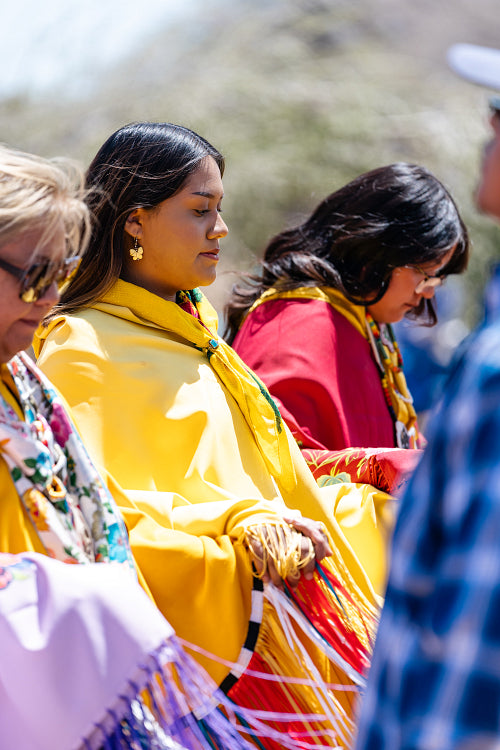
[301,96]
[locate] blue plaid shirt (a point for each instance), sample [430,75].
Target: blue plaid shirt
[435,676]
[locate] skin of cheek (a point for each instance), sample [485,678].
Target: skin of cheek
[18,319]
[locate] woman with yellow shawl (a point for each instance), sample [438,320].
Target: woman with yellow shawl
[213,488]
[86,659]
[316,322]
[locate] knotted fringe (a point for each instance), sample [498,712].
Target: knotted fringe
[316,637]
[354,613]
[171,704]
[337,618]
[318,640]
[298,692]
[278,541]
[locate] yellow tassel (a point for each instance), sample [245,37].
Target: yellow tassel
[282,544]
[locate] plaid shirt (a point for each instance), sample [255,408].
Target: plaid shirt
[435,676]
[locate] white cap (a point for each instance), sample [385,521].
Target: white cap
[477,64]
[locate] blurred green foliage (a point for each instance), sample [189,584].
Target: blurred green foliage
[301,96]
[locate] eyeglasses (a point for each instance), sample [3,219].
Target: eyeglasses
[36,280]
[428,282]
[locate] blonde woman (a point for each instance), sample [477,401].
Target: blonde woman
[82,646]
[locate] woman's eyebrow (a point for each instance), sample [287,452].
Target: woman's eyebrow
[205,195]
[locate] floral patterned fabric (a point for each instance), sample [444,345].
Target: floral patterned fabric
[73,513]
[388,469]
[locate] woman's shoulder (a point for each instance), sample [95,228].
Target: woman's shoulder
[288,308]
[298,316]
[64,330]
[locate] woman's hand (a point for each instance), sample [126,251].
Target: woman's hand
[280,553]
[315,531]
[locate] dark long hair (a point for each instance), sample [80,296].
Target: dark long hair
[139,166]
[392,216]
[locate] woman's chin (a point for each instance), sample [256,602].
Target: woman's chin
[207,280]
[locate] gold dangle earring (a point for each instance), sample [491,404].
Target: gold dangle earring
[137,251]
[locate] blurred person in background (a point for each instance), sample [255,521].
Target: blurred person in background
[316,323]
[435,677]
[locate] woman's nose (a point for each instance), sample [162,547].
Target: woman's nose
[428,292]
[50,297]
[220,228]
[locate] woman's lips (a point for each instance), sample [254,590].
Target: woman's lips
[211,254]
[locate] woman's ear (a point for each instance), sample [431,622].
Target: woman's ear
[133,224]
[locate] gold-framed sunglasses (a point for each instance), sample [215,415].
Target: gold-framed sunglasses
[36,280]
[428,282]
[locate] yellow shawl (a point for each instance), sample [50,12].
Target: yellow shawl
[184,428]
[17,533]
[400,396]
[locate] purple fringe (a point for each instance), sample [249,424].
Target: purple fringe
[178,718]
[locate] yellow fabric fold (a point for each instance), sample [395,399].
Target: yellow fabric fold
[195,565]
[157,413]
[252,396]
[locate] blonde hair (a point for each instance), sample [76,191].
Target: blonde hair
[38,194]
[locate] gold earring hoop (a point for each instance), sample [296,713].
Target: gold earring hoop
[136,252]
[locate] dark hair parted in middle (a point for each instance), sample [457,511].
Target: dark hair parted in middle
[389,217]
[139,166]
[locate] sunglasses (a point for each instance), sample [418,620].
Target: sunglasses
[36,280]
[428,282]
